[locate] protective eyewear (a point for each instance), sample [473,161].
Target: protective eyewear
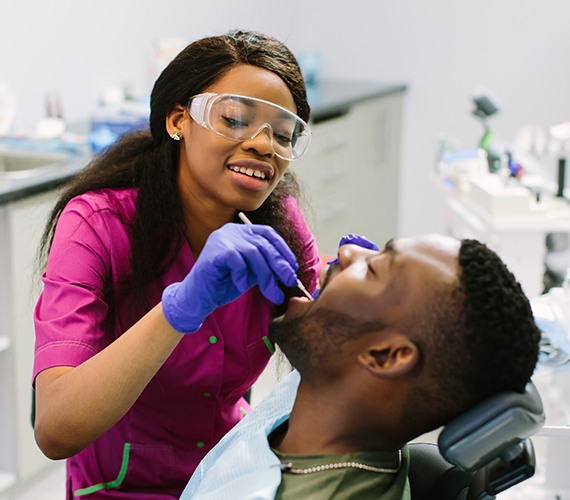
[241,118]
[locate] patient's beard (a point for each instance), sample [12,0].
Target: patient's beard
[309,340]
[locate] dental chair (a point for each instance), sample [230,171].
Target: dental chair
[482,452]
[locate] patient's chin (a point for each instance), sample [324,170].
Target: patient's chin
[285,332]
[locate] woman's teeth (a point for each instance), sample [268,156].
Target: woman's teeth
[248,171]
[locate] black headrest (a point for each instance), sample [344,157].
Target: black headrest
[494,428]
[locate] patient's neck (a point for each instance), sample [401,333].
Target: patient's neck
[325,422]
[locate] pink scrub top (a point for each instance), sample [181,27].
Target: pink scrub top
[196,396]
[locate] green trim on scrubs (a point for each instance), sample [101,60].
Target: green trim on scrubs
[268,344]
[111,484]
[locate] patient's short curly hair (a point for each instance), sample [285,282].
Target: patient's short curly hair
[502,337]
[479,339]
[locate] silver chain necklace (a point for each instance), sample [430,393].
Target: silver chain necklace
[290,468]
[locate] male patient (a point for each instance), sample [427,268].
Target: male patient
[398,343]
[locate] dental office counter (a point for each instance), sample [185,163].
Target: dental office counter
[21,187]
[519,237]
[351,179]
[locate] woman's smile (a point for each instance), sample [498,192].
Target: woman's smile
[251,175]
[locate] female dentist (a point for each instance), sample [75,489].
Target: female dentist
[150,329]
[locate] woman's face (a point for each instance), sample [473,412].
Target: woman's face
[223,174]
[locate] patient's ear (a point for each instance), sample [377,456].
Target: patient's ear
[393,357]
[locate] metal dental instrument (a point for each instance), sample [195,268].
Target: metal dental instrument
[300,285]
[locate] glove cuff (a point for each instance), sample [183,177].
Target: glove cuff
[184,319]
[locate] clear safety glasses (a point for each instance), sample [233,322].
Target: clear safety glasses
[242,118]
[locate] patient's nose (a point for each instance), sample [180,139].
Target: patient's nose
[349,254]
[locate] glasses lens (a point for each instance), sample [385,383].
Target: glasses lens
[301,142]
[241,118]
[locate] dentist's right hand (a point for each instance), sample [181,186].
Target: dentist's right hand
[234,258]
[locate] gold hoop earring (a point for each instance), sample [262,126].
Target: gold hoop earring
[175,136]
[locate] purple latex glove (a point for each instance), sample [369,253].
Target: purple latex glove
[355,239]
[234,258]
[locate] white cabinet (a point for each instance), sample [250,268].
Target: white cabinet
[21,226]
[351,173]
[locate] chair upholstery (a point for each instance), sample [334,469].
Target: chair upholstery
[482,452]
[434,478]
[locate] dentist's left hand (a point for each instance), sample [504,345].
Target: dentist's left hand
[354,239]
[234,258]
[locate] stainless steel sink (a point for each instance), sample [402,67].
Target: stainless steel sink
[24,164]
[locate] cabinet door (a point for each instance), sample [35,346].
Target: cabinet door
[27,219]
[351,173]
[377,199]
[7,379]
[326,180]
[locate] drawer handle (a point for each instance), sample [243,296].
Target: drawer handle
[332,174]
[331,146]
[336,143]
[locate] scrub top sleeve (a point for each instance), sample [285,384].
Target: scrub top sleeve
[71,310]
[312,262]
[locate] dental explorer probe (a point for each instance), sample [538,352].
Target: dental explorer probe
[300,285]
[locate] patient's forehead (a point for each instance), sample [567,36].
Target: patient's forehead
[435,246]
[432,243]
[438,251]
